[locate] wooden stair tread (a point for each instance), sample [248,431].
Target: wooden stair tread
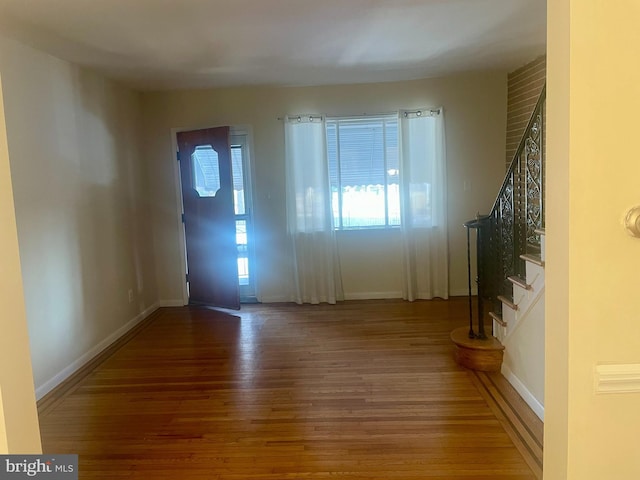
[460,336]
[508,302]
[536,259]
[519,281]
[498,318]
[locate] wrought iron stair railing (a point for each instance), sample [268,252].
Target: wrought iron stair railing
[509,230]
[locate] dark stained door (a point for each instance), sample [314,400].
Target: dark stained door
[209,219]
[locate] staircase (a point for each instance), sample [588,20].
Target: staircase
[510,273]
[520,329]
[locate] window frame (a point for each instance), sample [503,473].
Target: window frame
[384,119]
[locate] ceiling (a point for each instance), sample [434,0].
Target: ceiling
[171,44]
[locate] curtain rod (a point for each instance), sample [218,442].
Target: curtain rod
[431,111]
[387,114]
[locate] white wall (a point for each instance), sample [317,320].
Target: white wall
[81,207]
[523,363]
[475,113]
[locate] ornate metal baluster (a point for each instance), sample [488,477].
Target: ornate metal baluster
[507,217]
[533,181]
[518,211]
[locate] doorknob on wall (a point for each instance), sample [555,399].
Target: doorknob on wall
[632,221]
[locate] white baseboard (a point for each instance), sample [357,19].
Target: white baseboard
[353,296]
[171,303]
[274,299]
[66,372]
[463,292]
[524,392]
[371,295]
[347,296]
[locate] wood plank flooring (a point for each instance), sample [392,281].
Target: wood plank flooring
[361,390]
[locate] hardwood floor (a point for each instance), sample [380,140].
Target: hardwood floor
[361,390]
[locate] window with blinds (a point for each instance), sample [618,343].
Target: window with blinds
[364,171]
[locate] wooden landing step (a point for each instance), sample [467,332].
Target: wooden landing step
[475,354]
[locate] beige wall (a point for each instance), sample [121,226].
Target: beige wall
[19,431]
[475,113]
[592,263]
[81,208]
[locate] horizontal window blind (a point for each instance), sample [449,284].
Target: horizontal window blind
[364,171]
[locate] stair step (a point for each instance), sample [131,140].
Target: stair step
[508,302]
[535,249]
[540,231]
[519,281]
[498,319]
[530,257]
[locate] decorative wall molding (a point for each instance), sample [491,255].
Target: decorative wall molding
[617,378]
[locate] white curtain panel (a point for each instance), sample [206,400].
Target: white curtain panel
[316,272]
[424,211]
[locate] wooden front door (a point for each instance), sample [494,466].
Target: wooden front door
[209,221]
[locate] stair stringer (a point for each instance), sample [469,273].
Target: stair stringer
[524,299]
[523,337]
[523,363]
